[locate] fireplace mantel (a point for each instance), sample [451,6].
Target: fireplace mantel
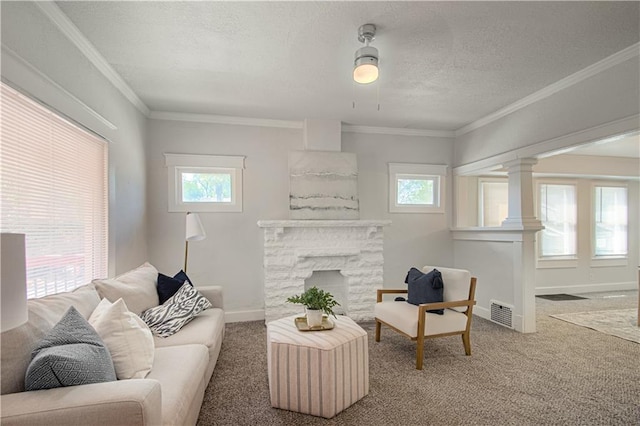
[294,249]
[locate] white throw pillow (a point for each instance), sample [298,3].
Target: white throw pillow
[176,312]
[137,287]
[127,337]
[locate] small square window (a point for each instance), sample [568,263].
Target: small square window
[416,191]
[204,183]
[201,187]
[416,188]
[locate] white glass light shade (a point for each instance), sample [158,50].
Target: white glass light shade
[13,281]
[194,228]
[366,65]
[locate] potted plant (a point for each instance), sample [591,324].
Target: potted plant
[316,302]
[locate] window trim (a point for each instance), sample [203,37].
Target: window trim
[190,163]
[437,172]
[598,261]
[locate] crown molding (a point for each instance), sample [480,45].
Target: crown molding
[398,131]
[14,65]
[590,71]
[64,24]
[225,119]
[550,147]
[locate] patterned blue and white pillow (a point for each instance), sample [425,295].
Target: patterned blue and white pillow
[175,313]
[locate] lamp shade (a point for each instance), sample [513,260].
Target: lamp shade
[194,228]
[365,68]
[13,281]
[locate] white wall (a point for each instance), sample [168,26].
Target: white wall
[39,60]
[587,275]
[595,103]
[231,255]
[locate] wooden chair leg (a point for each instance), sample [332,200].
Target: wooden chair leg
[466,341]
[419,352]
[378,324]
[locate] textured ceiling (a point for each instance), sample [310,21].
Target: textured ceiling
[442,64]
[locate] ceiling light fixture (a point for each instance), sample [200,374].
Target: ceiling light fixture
[365,68]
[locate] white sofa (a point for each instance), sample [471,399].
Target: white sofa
[171,394]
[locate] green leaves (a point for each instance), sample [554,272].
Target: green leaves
[315,298]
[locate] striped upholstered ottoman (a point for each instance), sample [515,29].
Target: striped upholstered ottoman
[317,372]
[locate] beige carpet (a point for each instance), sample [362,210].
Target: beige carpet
[561,375]
[619,323]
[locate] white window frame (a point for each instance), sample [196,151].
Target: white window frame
[554,262]
[482,180]
[178,164]
[606,260]
[435,172]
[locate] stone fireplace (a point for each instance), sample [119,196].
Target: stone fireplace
[295,249]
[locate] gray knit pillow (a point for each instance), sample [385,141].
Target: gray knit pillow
[175,313]
[70,354]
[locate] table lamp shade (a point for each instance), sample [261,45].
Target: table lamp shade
[13,281]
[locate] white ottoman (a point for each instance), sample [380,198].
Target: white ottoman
[317,372]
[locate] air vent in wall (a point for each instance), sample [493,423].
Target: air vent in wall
[502,313]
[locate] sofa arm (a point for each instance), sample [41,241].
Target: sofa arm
[123,402]
[213,294]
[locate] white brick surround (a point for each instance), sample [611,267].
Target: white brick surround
[294,249]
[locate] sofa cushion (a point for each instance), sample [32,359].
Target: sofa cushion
[182,307]
[137,287]
[127,337]
[180,371]
[425,288]
[71,354]
[84,298]
[168,286]
[206,329]
[18,343]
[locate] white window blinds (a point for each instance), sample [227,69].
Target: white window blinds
[53,188]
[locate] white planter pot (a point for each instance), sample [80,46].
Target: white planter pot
[314,317]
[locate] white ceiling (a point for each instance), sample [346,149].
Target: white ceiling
[443,65]
[628,147]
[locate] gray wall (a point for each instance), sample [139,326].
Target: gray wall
[231,255]
[55,72]
[604,98]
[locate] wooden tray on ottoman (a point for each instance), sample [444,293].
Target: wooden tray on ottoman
[301,324]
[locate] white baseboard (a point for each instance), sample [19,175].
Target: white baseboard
[587,288]
[482,312]
[242,316]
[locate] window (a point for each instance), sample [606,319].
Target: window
[558,213]
[416,188]
[493,201]
[53,188]
[205,183]
[610,221]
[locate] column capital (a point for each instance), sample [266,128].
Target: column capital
[524,164]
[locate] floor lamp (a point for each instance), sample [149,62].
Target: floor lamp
[13,281]
[194,232]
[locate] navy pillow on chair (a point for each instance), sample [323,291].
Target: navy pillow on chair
[168,286]
[425,288]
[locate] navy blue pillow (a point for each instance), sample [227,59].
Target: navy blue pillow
[425,288]
[168,286]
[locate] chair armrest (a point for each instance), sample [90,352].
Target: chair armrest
[213,293]
[122,402]
[382,291]
[445,305]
